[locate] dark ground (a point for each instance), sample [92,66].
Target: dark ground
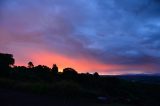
[18,98]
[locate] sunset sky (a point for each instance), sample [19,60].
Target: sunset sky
[107,36]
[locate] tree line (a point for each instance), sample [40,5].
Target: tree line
[40,72]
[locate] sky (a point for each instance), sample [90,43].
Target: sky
[104,36]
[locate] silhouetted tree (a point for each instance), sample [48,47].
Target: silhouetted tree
[6,61]
[54,69]
[30,65]
[96,75]
[69,73]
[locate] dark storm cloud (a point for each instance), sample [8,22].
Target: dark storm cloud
[123,32]
[131,31]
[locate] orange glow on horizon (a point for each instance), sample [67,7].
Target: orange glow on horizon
[80,64]
[41,56]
